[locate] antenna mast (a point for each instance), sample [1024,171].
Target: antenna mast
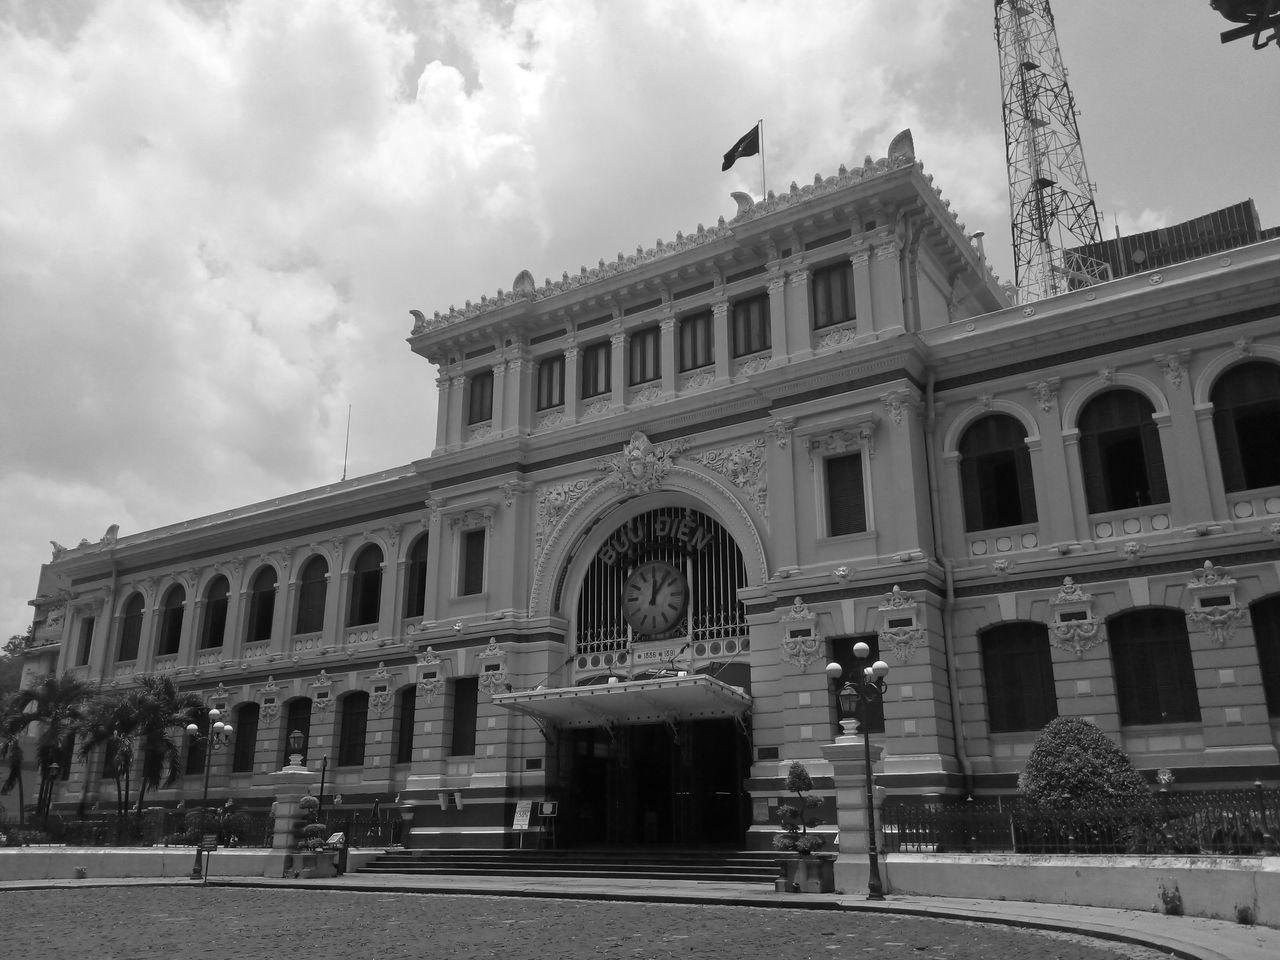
[1051,202]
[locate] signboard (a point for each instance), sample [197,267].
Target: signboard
[647,653]
[523,810]
[208,843]
[336,840]
[547,808]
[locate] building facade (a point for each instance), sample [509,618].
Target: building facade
[667,491]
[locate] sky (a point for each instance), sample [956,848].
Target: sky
[216,216]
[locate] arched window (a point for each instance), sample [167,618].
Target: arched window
[131,628]
[995,474]
[352,723]
[1155,680]
[262,605]
[1246,419]
[1120,453]
[246,738]
[297,717]
[1017,669]
[1265,615]
[171,620]
[312,586]
[366,586]
[415,592]
[406,708]
[215,613]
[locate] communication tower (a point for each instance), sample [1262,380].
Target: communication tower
[1051,202]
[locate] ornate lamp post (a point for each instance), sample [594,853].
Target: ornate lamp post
[219,735]
[865,688]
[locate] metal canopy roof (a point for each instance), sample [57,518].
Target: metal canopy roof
[660,700]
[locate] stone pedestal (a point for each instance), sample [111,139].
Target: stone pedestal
[290,785]
[849,771]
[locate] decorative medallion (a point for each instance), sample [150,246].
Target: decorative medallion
[1074,627]
[1045,392]
[641,466]
[744,467]
[781,430]
[1174,366]
[900,629]
[429,688]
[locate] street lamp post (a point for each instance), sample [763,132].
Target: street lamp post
[219,735]
[856,696]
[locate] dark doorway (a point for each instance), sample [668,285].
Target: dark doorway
[656,785]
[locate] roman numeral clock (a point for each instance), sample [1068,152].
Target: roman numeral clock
[654,598]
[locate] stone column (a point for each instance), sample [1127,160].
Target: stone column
[497,408]
[720,338]
[572,389]
[667,326]
[443,412]
[886,286]
[457,408]
[779,347]
[517,420]
[848,764]
[618,367]
[780,460]
[289,786]
[1075,484]
[863,314]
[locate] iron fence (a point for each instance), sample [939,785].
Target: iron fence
[1241,822]
[153,828]
[369,829]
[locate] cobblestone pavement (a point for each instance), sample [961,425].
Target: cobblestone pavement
[177,922]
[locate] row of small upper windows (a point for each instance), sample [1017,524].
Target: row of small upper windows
[364,600]
[1120,455]
[831,296]
[1155,679]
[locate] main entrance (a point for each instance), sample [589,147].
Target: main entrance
[649,784]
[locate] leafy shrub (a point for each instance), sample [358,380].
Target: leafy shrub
[1074,764]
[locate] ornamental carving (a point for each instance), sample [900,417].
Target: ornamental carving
[898,402]
[699,381]
[838,337]
[903,641]
[801,650]
[896,600]
[429,688]
[859,438]
[1174,366]
[473,518]
[493,674]
[744,467]
[781,430]
[642,465]
[1213,602]
[799,610]
[1221,622]
[648,394]
[1211,576]
[379,700]
[428,657]
[598,408]
[757,364]
[549,420]
[1045,392]
[553,501]
[1076,636]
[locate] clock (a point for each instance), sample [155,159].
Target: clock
[654,598]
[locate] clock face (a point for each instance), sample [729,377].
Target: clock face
[654,598]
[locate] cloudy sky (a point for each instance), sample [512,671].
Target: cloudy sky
[215,216]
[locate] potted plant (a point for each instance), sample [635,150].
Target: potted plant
[803,873]
[309,836]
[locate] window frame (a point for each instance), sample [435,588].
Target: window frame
[549,388]
[479,397]
[244,749]
[135,611]
[312,596]
[215,615]
[595,364]
[1100,459]
[1247,464]
[1264,614]
[983,496]
[697,336]
[406,723]
[262,606]
[353,728]
[472,564]
[365,594]
[751,325]
[416,572]
[644,356]
[169,639]
[464,716]
[823,302]
[1148,663]
[830,504]
[1007,650]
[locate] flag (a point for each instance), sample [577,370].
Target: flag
[747,146]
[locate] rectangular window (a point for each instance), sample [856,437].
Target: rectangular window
[749,325]
[646,363]
[471,563]
[86,642]
[480,397]
[832,292]
[352,729]
[846,501]
[405,724]
[695,341]
[246,738]
[466,692]
[595,361]
[551,382]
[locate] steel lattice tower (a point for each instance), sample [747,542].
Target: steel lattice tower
[1050,197]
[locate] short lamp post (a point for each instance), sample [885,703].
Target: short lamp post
[297,740]
[219,735]
[856,696]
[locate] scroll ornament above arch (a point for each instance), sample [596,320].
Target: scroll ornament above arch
[905,638]
[1074,627]
[1108,379]
[565,509]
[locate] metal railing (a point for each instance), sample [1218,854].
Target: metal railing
[367,829]
[1241,822]
[154,828]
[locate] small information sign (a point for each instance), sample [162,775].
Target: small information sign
[208,843]
[523,811]
[547,808]
[336,840]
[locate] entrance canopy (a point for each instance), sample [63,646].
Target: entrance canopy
[660,700]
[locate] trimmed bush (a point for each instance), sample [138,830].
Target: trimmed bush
[1074,764]
[795,820]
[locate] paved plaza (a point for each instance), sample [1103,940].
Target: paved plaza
[176,922]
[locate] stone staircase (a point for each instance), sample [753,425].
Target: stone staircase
[727,867]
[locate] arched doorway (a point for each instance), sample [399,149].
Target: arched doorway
[661,754]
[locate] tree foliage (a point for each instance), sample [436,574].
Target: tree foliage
[1074,764]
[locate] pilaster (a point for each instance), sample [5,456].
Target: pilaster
[720,334]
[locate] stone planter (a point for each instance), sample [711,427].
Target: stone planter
[812,873]
[311,864]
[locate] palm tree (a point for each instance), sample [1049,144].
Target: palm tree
[13,724]
[57,703]
[109,721]
[160,709]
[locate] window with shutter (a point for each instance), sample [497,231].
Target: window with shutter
[696,341]
[215,614]
[551,382]
[1155,679]
[995,474]
[846,500]
[366,587]
[750,325]
[1246,418]
[1265,615]
[645,360]
[1120,453]
[415,594]
[246,738]
[462,739]
[262,605]
[472,563]
[406,704]
[1017,670]
[831,290]
[594,370]
[352,728]
[480,397]
[312,587]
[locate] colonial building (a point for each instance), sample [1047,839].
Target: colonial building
[667,490]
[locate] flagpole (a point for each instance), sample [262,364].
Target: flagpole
[763,194]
